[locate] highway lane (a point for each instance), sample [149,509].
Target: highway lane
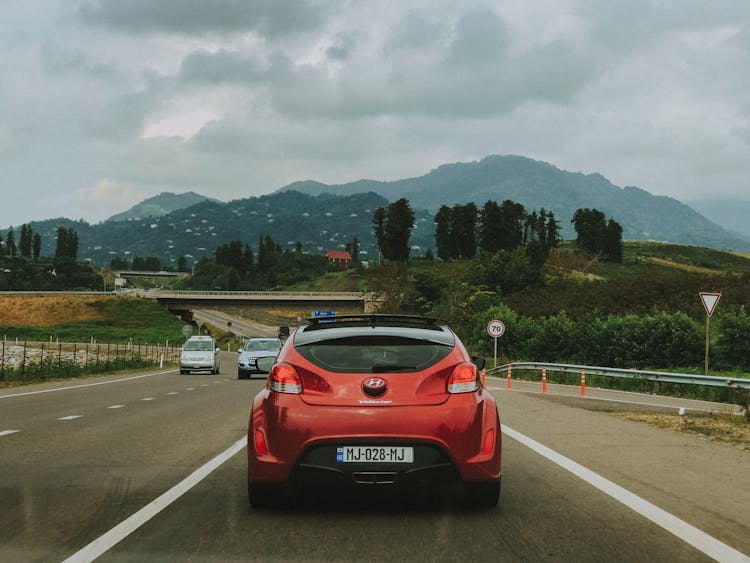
[64,483]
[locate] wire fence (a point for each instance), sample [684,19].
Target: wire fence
[36,361]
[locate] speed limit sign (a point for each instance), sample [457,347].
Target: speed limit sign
[495,328]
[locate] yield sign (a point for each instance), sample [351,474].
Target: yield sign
[709,301]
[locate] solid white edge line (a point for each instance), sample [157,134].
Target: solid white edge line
[111,538]
[686,532]
[6,432]
[86,385]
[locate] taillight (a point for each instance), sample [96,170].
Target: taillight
[260,443]
[285,379]
[463,379]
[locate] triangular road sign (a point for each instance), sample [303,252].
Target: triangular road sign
[709,301]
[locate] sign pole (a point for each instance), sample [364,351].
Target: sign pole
[494,365]
[708,321]
[709,301]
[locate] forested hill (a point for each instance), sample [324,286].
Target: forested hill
[319,223]
[537,185]
[160,205]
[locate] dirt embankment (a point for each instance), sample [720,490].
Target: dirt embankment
[47,310]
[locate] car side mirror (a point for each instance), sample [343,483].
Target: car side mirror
[264,364]
[217,350]
[479,362]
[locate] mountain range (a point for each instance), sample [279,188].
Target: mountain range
[324,217]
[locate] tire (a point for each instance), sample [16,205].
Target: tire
[183,371]
[482,495]
[264,495]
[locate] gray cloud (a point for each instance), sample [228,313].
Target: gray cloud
[232,98]
[268,17]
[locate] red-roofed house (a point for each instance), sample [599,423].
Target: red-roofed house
[339,258]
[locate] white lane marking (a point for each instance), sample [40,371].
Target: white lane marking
[6,432]
[190,389]
[116,406]
[173,393]
[111,538]
[204,384]
[148,399]
[86,384]
[215,382]
[71,417]
[686,532]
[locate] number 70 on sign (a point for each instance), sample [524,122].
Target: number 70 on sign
[495,328]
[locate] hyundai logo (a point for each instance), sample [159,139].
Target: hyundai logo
[374,386]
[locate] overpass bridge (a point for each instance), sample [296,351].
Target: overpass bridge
[300,303]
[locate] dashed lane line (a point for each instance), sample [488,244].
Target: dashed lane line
[116,406]
[6,432]
[71,417]
[148,399]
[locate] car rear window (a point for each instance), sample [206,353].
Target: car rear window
[262,345]
[374,354]
[198,346]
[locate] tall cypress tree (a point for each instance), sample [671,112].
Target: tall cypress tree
[442,232]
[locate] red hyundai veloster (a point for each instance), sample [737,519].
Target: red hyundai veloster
[374,400]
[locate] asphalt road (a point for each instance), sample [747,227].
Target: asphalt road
[64,482]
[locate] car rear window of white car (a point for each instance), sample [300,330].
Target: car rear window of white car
[374,354]
[198,346]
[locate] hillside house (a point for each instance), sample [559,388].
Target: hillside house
[341,259]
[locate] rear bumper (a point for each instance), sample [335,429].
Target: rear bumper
[301,440]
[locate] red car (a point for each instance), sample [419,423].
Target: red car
[374,400]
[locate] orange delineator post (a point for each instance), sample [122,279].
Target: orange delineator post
[484,378]
[544,380]
[583,382]
[508,380]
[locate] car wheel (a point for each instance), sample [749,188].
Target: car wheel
[482,495]
[264,495]
[183,371]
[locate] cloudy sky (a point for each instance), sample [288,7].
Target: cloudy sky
[106,102]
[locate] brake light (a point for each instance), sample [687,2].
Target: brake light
[260,443]
[463,379]
[285,379]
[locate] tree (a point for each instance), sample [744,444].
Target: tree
[393,226]
[442,232]
[591,228]
[353,249]
[597,236]
[463,230]
[511,219]
[67,243]
[24,244]
[378,223]
[490,227]
[10,243]
[36,246]
[182,264]
[553,231]
[613,245]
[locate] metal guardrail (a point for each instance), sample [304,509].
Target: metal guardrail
[668,377]
[273,294]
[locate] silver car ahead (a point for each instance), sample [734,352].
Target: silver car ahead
[247,360]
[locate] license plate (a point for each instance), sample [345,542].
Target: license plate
[374,454]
